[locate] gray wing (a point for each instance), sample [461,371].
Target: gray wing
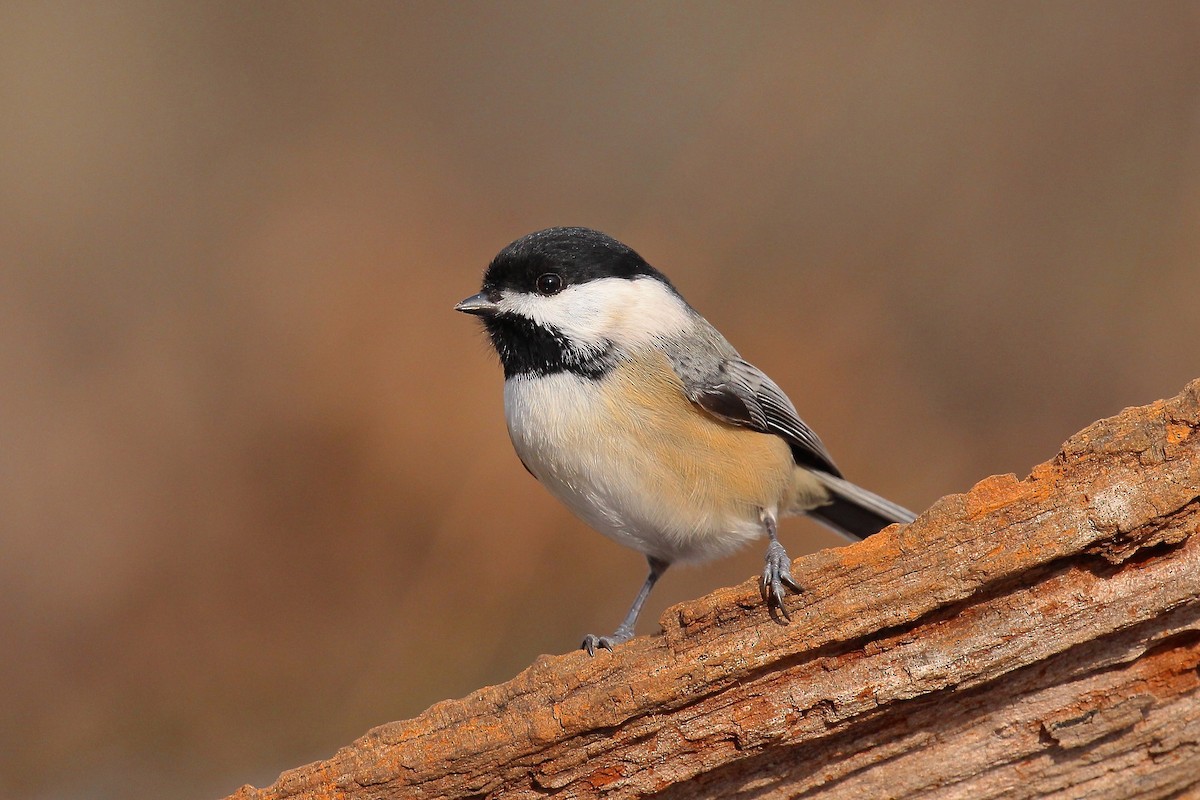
[741,394]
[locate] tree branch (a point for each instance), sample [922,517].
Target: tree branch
[1022,639]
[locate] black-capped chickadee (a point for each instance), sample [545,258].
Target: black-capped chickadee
[638,415]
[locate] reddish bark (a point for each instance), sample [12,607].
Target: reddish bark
[1026,639]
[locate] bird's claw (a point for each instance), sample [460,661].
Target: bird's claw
[776,575]
[592,642]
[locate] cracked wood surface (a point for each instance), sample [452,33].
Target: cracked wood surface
[1029,638]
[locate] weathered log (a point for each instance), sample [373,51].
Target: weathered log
[1028,638]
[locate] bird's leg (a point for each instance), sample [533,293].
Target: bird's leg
[624,631]
[778,571]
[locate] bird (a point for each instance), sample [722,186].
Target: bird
[632,410]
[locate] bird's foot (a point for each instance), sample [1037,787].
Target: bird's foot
[776,575]
[592,641]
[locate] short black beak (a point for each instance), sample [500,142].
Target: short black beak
[477,304]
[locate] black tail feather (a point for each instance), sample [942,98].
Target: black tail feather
[854,511]
[850,518]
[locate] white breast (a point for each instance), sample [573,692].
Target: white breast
[598,465]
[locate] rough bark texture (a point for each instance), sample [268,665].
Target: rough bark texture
[1035,638]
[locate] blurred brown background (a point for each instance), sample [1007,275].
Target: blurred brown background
[255,490]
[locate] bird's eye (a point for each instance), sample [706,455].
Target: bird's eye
[549,283]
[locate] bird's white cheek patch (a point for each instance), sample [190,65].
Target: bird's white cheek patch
[577,317]
[617,310]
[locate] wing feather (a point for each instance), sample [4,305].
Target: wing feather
[741,394]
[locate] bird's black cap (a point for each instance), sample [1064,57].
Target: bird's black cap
[578,255]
